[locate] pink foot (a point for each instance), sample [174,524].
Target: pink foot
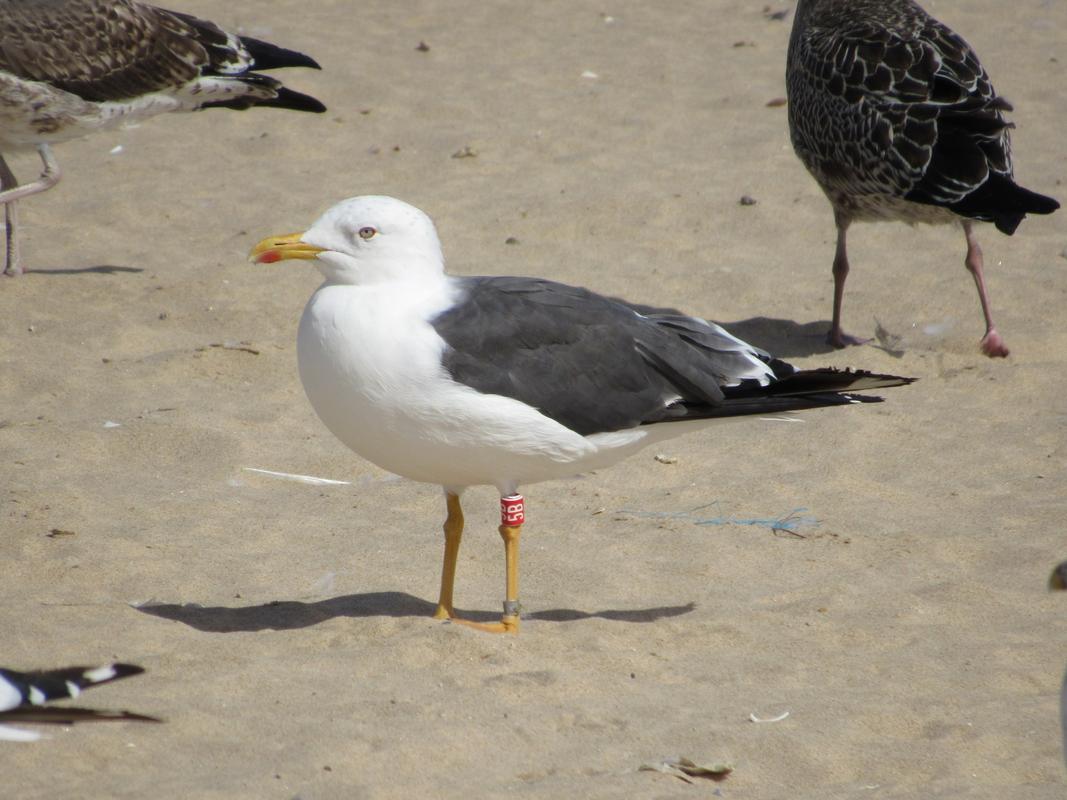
[993,346]
[840,339]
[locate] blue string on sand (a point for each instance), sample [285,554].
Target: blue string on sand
[791,522]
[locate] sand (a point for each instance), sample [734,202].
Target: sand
[903,622]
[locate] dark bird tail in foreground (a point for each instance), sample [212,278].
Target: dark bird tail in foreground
[37,688]
[23,696]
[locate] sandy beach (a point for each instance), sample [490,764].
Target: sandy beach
[878,572]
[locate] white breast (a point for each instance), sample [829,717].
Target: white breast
[370,363]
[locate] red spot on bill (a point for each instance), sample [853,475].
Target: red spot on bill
[268,257]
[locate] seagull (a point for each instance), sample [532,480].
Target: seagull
[22,695]
[71,67]
[896,119]
[501,381]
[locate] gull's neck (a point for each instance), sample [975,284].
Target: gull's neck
[405,265]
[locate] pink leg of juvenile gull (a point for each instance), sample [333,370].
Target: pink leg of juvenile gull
[992,345]
[837,337]
[11,192]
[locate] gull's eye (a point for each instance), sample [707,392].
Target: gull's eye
[367,233]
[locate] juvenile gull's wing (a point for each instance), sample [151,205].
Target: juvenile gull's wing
[110,50]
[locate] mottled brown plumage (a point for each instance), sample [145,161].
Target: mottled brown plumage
[71,67]
[896,119]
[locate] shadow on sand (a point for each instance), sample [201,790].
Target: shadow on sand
[290,614]
[783,338]
[103,269]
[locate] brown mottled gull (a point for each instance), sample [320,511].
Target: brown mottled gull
[896,119]
[71,67]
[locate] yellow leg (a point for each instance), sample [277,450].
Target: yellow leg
[511,512]
[509,623]
[510,535]
[453,536]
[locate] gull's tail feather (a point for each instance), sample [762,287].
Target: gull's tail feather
[810,381]
[814,388]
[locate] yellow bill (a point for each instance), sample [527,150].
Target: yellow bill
[280,248]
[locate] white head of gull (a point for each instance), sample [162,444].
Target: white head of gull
[375,240]
[464,381]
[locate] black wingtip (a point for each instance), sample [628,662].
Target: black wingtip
[41,686]
[269,56]
[125,670]
[87,676]
[283,98]
[806,389]
[863,398]
[295,101]
[830,379]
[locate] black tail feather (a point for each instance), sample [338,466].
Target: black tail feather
[814,388]
[749,406]
[1004,203]
[818,381]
